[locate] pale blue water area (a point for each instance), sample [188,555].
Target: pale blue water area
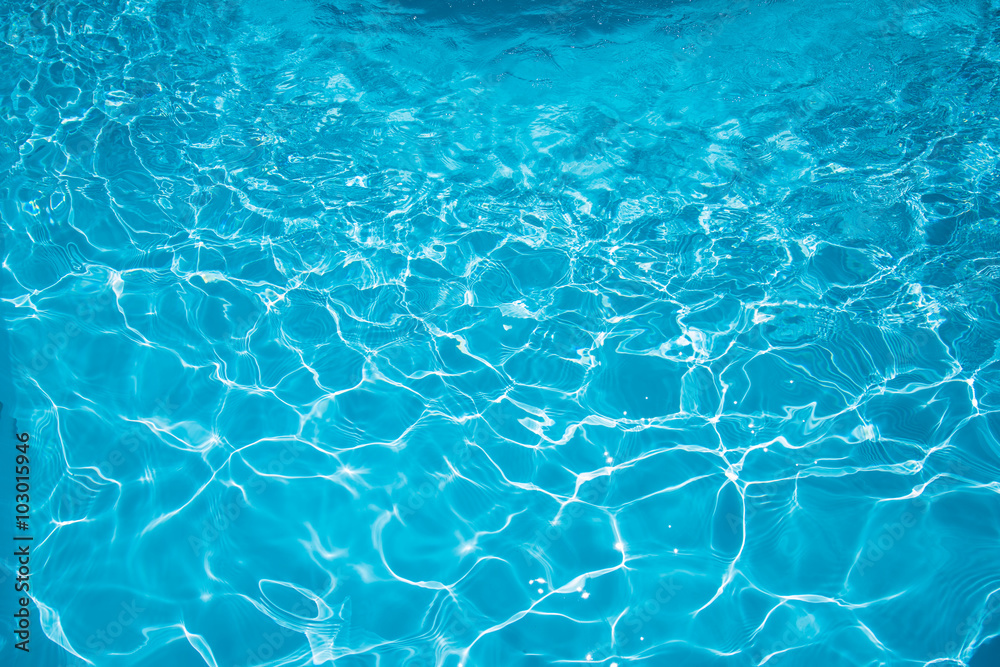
[503,334]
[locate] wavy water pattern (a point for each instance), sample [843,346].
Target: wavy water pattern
[480,334]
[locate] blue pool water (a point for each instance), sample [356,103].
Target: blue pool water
[490,334]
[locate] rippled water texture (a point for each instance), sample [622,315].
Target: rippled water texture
[488,334]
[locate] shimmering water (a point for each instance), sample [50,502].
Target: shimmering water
[495,334]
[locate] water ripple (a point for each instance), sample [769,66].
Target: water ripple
[451,334]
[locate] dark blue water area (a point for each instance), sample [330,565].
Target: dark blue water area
[503,334]
[987,655]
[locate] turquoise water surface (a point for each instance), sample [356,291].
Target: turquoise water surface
[503,334]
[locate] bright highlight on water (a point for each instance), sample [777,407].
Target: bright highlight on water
[500,334]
